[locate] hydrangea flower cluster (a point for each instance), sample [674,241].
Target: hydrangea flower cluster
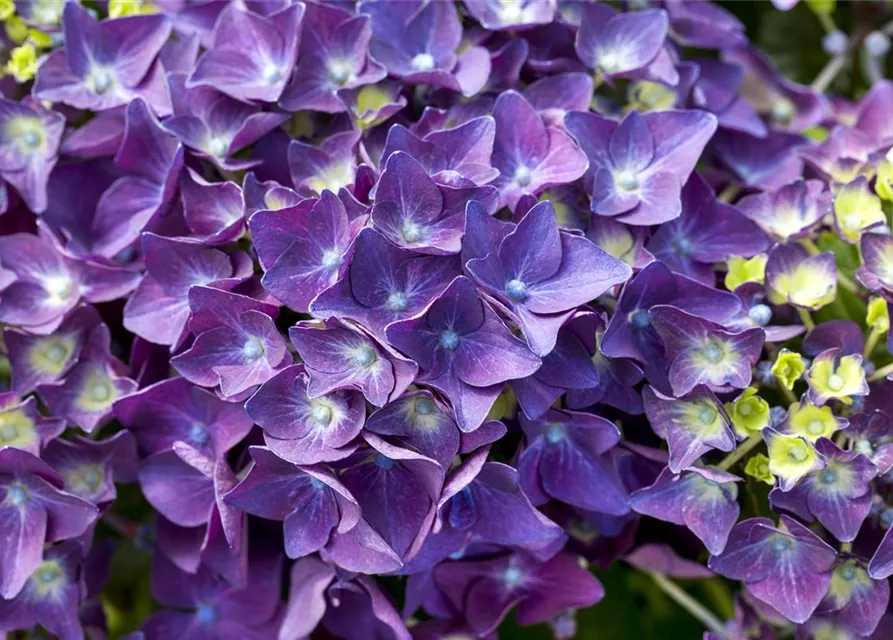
[391,319]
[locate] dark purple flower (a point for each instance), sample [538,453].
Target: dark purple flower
[22,426]
[564,458]
[769,162]
[530,155]
[464,350]
[704,25]
[332,165]
[33,511]
[177,411]
[417,42]
[789,212]
[106,64]
[637,167]
[788,567]
[496,15]
[855,601]
[876,272]
[715,87]
[90,468]
[334,55]
[541,274]
[703,500]
[29,143]
[306,430]
[237,344]
[251,56]
[213,211]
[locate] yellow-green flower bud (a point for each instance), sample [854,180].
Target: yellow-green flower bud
[758,467]
[877,317]
[749,413]
[22,64]
[743,270]
[788,368]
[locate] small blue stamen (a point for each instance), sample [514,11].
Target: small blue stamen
[516,290]
[639,319]
[449,339]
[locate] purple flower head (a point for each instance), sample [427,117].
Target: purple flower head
[37,359]
[565,458]
[637,167]
[384,284]
[332,165]
[175,410]
[22,426]
[839,495]
[795,277]
[205,605]
[704,25]
[237,345]
[530,155]
[484,591]
[464,350]
[707,231]
[692,425]
[158,309]
[334,55]
[624,242]
[213,211]
[417,421]
[48,284]
[306,430]
[702,352]
[715,88]
[855,601]
[50,596]
[788,213]
[29,143]
[787,567]
[90,468]
[833,375]
[702,500]
[33,511]
[417,42]
[105,64]
[495,15]
[338,357]
[789,106]
[554,96]
[151,160]
[762,163]
[541,274]
[464,148]
[621,45]
[251,56]
[215,126]
[86,395]
[876,273]
[373,104]
[844,155]
[416,214]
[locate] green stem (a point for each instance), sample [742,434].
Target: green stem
[740,451]
[806,318]
[827,22]
[871,343]
[695,608]
[810,246]
[881,373]
[788,394]
[728,194]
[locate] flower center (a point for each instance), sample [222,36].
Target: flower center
[848,572]
[101,391]
[218,147]
[397,301]
[206,613]
[331,259]
[798,452]
[744,409]
[828,476]
[16,495]
[48,573]
[8,433]
[322,414]
[782,111]
[512,577]
[364,356]
[713,354]
[449,339]
[422,62]
[383,462]
[555,433]
[682,246]
[815,427]
[707,415]
[253,349]
[627,181]
[639,319]
[835,382]
[516,290]
[272,74]
[424,407]
[761,314]
[58,289]
[781,544]
[56,353]
[198,434]
[339,72]
[101,80]
[411,232]
[31,139]
[523,176]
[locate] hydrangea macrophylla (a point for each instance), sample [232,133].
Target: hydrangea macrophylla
[798,278]
[564,458]
[789,212]
[788,567]
[839,495]
[213,211]
[702,499]
[90,468]
[542,275]
[305,430]
[206,605]
[856,209]
[418,43]
[384,284]
[33,511]
[332,165]
[215,126]
[496,15]
[791,457]
[762,163]
[692,425]
[333,55]
[876,272]
[836,376]
[706,232]
[48,284]
[29,144]
[486,590]
[175,410]
[106,64]
[251,56]
[637,167]
[854,599]
[22,426]
[717,90]
[51,595]
[623,45]
[808,421]
[464,350]
[530,155]
[703,352]
[237,345]
[158,309]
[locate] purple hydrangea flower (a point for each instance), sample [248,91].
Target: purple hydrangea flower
[855,601]
[332,165]
[90,468]
[495,15]
[789,212]
[23,427]
[213,211]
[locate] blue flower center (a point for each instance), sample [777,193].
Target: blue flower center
[364,356]
[8,433]
[848,572]
[198,435]
[523,176]
[682,246]
[424,407]
[555,433]
[206,613]
[516,290]
[422,62]
[781,543]
[253,349]
[316,483]
[761,314]
[218,147]
[707,415]
[639,319]
[16,495]
[31,139]
[322,414]
[338,71]
[331,259]
[828,476]
[713,354]
[512,577]
[397,301]
[383,462]
[91,478]
[272,74]
[449,339]
[627,181]
[101,80]
[56,353]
